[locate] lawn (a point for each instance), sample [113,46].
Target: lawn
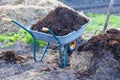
[97,22]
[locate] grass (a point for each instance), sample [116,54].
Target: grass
[26,37]
[11,37]
[96,23]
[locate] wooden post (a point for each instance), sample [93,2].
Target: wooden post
[108,15]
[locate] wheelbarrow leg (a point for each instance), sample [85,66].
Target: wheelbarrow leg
[65,55]
[44,52]
[34,49]
[60,55]
[60,47]
[34,39]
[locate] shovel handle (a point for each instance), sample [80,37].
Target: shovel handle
[6,19]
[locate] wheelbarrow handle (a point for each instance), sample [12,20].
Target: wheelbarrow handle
[45,29]
[6,19]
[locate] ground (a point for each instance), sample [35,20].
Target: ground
[91,64]
[30,70]
[83,64]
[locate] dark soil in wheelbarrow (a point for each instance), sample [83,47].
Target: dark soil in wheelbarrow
[61,21]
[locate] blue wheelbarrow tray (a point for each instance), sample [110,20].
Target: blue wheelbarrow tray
[52,38]
[63,39]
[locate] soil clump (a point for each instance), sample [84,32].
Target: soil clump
[10,56]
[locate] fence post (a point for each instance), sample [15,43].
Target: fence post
[108,15]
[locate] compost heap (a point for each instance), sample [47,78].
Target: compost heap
[99,57]
[61,21]
[109,41]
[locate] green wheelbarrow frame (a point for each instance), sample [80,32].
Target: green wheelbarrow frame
[60,40]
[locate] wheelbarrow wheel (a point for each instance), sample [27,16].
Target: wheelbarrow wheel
[75,44]
[72,45]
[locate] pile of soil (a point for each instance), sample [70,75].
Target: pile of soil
[109,41]
[10,56]
[99,57]
[61,21]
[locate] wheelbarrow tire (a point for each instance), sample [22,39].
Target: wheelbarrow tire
[72,46]
[76,44]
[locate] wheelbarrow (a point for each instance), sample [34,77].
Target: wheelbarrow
[69,40]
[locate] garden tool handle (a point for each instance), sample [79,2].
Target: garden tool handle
[45,29]
[6,19]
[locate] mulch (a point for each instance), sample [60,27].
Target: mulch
[61,21]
